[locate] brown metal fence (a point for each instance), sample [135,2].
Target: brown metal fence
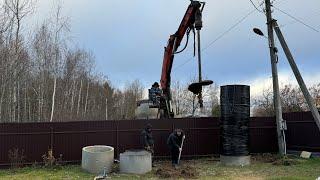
[202,136]
[302,133]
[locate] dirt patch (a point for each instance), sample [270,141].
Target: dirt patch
[285,161]
[265,158]
[183,171]
[275,159]
[115,168]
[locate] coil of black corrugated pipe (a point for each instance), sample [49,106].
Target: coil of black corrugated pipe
[234,122]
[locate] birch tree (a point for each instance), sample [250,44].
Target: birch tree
[60,27]
[17,10]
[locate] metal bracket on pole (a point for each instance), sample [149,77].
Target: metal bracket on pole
[283,126]
[294,67]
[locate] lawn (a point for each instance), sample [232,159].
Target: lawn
[263,167]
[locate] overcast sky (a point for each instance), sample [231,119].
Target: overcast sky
[128,38]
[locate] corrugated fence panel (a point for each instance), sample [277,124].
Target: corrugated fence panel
[202,136]
[71,137]
[32,139]
[161,130]
[206,134]
[303,133]
[129,134]
[263,135]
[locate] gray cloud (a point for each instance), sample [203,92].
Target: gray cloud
[128,37]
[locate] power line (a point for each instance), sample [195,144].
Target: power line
[298,20]
[188,60]
[228,30]
[254,5]
[288,23]
[219,37]
[277,1]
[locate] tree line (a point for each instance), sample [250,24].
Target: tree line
[46,78]
[292,100]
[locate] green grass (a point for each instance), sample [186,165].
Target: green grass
[304,169]
[64,172]
[208,168]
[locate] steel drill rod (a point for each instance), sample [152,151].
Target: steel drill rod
[199,56]
[294,67]
[200,70]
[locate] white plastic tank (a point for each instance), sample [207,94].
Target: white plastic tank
[143,111]
[135,162]
[97,159]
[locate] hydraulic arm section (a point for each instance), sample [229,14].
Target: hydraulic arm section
[192,20]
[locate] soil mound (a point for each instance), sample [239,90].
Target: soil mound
[184,171]
[265,158]
[285,162]
[275,159]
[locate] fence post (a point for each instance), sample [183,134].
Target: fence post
[117,138]
[51,137]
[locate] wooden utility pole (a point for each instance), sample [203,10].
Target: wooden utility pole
[294,67]
[276,93]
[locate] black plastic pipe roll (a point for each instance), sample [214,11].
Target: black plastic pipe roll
[234,122]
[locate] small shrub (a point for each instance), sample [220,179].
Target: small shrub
[16,157]
[35,164]
[49,159]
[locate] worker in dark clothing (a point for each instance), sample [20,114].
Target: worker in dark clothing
[155,93]
[174,143]
[147,141]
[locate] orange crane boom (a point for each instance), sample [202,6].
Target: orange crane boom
[191,20]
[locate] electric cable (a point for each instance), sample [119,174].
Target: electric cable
[219,37]
[228,30]
[298,20]
[254,5]
[288,23]
[277,1]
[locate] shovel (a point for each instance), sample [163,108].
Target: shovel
[183,137]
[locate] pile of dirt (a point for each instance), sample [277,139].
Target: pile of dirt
[265,158]
[183,171]
[275,159]
[285,161]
